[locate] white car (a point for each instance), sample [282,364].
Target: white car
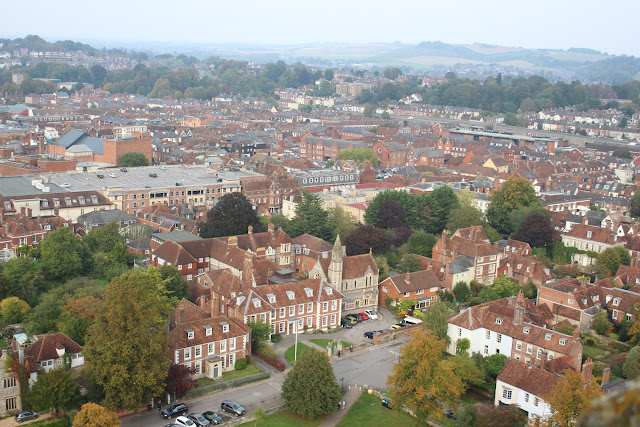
[372,314]
[65,185]
[184,421]
[112,175]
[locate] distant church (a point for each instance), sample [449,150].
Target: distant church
[356,277]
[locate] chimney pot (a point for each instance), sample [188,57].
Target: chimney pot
[606,375]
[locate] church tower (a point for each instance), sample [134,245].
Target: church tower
[335,267]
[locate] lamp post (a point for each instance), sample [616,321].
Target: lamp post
[342,380]
[295,347]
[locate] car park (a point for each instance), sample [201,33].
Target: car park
[346,324]
[372,314]
[112,175]
[65,185]
[364,316]
[185,421]
[174,410]
[232,407]
[213,418]
[199,419]
[26,416]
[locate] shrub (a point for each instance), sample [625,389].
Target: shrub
[271,361]
[240,364]
[276,338]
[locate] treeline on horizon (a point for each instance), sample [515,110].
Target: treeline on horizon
[497,94]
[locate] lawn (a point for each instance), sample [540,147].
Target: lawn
[289,354]
[3,343]
[286,419]
[591,352]
[232,375]
[324,342]
[368,410]
[203,382]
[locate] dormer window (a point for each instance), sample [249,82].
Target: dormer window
[272,298]
[499,320]
[7,205]
[547,337]
[589,234]
[67,201]
[94,199]
[291,295]
[329,291]
[309,292]
[607,299]
[519,267]
[56,203]
[233,294]
[190,334]
[616,301]
[563,341]
[526,329]
[81,200]
[225,327]
[45,203]
[595,298]
[256,302]
[208,330]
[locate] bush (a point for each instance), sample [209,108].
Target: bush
[276,338]
[240,364]
[271,361]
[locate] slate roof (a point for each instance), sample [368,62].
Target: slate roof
[77,137]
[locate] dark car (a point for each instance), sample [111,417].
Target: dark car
[346,324]
[233,407]
[100,176]
[174,410]
[358,317]
[212,417]
[369,335]
[26,416]
[123,169]
[449,414]
[386,403]
[153,175]
[199,419]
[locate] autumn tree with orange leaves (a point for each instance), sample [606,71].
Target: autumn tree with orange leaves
[422,380]
[570,397]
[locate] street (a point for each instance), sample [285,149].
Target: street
[370,367]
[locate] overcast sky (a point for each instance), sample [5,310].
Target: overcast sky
[609,26]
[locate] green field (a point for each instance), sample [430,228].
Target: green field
[368,410]
[232,375]
[289,354]
[285,419]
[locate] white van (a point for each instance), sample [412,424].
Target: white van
[411,320]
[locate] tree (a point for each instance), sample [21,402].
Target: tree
[634,329]
[461,291]
[55,391]
[126,345]
[19,275]
[177,288]
[311,388]
[465,368]
[421,243]
[366,237]
[310,218]
[14,310]
[513,194]
[383,267]
[510,119]
[63,255]
[385,115]
[631,366]
[506,286]
[410,263]
[635,204]
[493,365]
[260,334]
[601,322]
[133,160]
[361,154]
[391,215]
[464,217]
[610,259]
[488,414]
[463,345]
[180,380]
[422,380]
[536,230]
[570,397]
[435,319]
[104,238]
[487,294]
[94,415]
[341,222]
[231,216]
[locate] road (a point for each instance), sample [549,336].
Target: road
[370,367]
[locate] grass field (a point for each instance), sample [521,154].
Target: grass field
[232,375]
[290,353]
[324,342]
[286,419]
[368,410]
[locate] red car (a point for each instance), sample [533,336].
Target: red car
[365,316]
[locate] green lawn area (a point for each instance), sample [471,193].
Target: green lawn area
[251,369]
[3,343]
[324,342]
[286,419]
[289,354]
[592,352]
[368,410]
[203,382]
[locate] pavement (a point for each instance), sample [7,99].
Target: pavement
[349,399]
[369,367]
[11,421]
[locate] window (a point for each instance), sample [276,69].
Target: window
[309,307]
[563,341]
[223,345]
[570,301]
[196,352]
[292,311]
[10,403]
[488,335]
[539,355]
[225,327]
[616,301]
[526,397]
[190,334]
[309,321]
[281,327]
[529,349]
[384,289]
[334,305]
[301,309]
[324,321]
[547,337]
[519,345]
[459,332]
[232,359]
[614,314]
[210,348]
[9,382]
[325,306]
[282,312]
[536,401]
[232,344]
[187,353]
[551,355]
[333,319]
[499,320]
[527,360]
[499,337]
[526,329]
[506,393]
[486,349]
[197,367]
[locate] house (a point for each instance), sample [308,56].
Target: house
[10,391]
[355,277]
[98,218]
[209,345]
[308,249]
[526,269]
[422,286]
[515,327]
[589,238]
[47,352]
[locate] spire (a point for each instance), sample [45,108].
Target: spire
[337,246]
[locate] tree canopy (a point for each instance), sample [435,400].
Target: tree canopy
[63,255]
[55,391]
[132,160]
[177,288]
[364,238]
[361,155]
[536,230]
[570,397]
[310,218]
[311,388]
[231,216]
[514,193]
[435,319]
[609,260]
[94,415]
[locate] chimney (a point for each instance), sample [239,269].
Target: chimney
[181,314]
[520,296]
[407,277]
[203,300]
[233,241]
[251,231]
[271,228]
[587,370]
[606,374]
[23,211]
[518,315]
[29,213]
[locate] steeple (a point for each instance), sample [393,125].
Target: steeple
[335,267]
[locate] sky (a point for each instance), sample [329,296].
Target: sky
[609,26]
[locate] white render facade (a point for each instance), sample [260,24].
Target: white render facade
[483,341]
[534,405]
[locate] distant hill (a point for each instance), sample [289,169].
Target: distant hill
[37,43]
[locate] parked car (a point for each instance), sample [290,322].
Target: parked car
[100,176]
[26,416]
[364,316]
[65,185]
[112,175]
[174,410]
[386,403]
[212,417]
[395,326]
[351,318]
[449,414]
[346,324]
[372,314]
[185,421]
[199,419]
[358,317]
[233,407]
[153,175]
[123,169]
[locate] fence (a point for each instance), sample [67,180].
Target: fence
[395,333]
[226,384]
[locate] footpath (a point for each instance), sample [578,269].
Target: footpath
[349,399]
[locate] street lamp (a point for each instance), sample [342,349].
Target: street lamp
[295,347]
[342,379]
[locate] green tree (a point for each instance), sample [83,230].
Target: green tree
[63,256]
[311,388]
[94,415]
[14,310]
[410,264]
[464,217]
[487,294]
[609,260]
[635,205]
[365,238]
[421,243]
[360,154]
[260,334]
[601,322]
[422,379]
[104,238]
[133,160]
[330,163]
[461,291]
[506,286]
[385,115]
[493,365]
[341,222]
[55,391]
[513,194]
[310,218]
[465,368]
[127,344]
[20,274]
[462,346]
[383,267]
[435,319]
[536,230]
[631,366]
[177,288]
[510,119]
[231,216]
